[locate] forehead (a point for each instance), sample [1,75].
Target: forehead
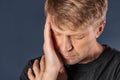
[64,24]
[70,32]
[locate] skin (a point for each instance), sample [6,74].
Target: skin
[50,62]
[78,46]
[69,47]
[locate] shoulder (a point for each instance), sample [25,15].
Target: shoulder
[111,63]
[115,59]
[115,54]
[29,64]
[111,57]
[116,63]
[112,52]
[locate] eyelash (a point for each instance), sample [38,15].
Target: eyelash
[57,34]
[78,37]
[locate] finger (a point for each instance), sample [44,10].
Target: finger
[42,66]
[49,49]
[62,75]
[47,30]
[48,36]
[62,70]
[36,67]
[30,74]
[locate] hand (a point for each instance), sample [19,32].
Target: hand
[51,66]
[38,71]
[53,61]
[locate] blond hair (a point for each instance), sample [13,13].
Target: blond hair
[73,14]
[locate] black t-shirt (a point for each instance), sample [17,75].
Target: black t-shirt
[106,67]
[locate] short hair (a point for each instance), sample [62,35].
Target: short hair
[74,14]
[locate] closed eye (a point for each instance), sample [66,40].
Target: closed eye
[78,37]
[57,34]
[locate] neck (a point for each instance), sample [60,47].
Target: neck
[94,54]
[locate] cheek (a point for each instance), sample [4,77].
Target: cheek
[57,42]
[81,46]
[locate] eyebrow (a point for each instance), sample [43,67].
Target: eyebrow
[73,35]
[77,34]
[54,30]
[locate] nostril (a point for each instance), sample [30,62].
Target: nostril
[67,45]
[70,48]
[67,48]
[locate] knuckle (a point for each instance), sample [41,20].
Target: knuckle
[35,65]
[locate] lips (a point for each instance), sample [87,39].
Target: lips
[67,57]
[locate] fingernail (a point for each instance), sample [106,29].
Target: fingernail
[29,69]
[36,61]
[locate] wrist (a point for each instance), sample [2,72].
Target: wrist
[52,70]
[50,75]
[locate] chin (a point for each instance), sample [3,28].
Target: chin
[71,62]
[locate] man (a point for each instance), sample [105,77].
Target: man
[71,50]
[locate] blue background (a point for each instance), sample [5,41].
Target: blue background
[21,33]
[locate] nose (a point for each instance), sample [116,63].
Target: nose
[67,44]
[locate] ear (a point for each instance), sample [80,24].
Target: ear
[100,29]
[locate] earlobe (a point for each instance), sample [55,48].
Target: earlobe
[100,29]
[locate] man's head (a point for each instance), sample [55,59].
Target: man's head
[76,24]
[76,13]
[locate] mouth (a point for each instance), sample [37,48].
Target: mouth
[67,57]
